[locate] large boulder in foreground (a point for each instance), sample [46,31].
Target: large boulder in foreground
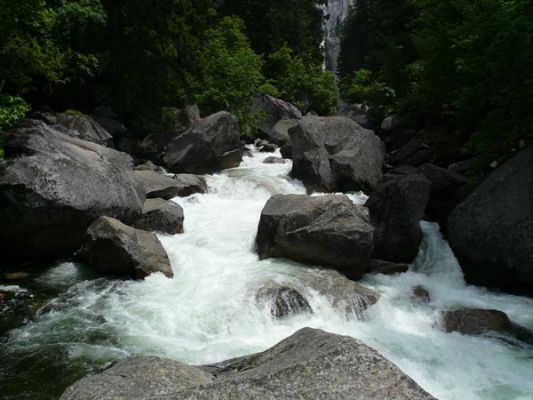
[53,186]
[336,154]
[329,231]
[113,248]
[396,209]
[311,364]
[491,232]
[210,145]
[161,216]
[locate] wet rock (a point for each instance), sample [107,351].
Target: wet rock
[282,301]
[210,145]
[463,167]
[161,216]
[190,184]
[328,231]
[274,160]
[113,248]
[346,296]
[273,110]
[490,232]
[156,185]
[53,186]
[386,267]
[421,295]
[286,151]
[396,209]
[311,364]
[269,148]
[476,322]
[139,378]
[334,153]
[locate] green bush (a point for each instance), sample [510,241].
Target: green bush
[300,82]
[230,72]
[12,109]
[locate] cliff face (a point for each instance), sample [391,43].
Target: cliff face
[336,12]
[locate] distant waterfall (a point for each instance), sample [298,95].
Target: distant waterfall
[336,12]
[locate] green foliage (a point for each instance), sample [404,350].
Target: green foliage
[230,71]
[302,83]
[363,89]
[271,24]
[12,110]
[461,65]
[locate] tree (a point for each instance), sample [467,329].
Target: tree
[230,71]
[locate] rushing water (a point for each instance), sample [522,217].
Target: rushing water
[208,311]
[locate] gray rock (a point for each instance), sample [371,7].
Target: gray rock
[396,209]
[390,123]
[280,132]
[167,187]
[161,216]
[282,301]
[85,128]
[421,294]
[269,148]
[53,186]
[139,378]
[328,231]
[444,185]
[286,151]
[113,248]
[156,185]
[346,296]
[149,166]
[386,267]
[476,322]
[210,145]
[311,364]
[356,113]
[334,153]
[274,160]
[491,231]
[414,152]
[190,184]
[272,110]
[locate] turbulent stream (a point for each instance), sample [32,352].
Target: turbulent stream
[209,313]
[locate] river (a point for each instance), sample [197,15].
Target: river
[208,312]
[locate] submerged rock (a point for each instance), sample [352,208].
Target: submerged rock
[311,364]
[328,231]
[396,209]
[345,295]
[113,248]
[421,294]
[159,215]
[282,301]
[210,145]
[334,153]
[53,186]
[274,160]
[476,322]
[491,231]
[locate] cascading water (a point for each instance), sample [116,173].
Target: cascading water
[209,311]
